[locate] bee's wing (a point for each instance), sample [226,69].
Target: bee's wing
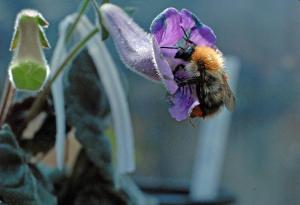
[229,98]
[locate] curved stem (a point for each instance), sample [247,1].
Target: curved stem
[35,108]
[70,31]
[104,31]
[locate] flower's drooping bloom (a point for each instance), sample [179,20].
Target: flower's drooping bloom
[145,54]
[133,44]
[168,31]
[29,69]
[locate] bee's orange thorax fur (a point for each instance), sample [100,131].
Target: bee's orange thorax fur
[211,58]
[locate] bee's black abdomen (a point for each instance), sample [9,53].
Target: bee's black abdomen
[210,91]
[211,107]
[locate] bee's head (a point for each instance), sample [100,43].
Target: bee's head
[185,53]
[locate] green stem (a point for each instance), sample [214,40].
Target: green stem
[73,53]
[35,108]
[70,31]
[104,31]
[95,4]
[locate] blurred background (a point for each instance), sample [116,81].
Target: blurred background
[262,159]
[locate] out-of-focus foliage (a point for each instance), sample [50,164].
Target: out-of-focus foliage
[92,178]
[87,111]
[87,108]
[21,183]
[42,140]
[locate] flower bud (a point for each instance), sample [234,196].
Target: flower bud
[28,69]
[133,44]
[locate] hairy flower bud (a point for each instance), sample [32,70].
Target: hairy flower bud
[133,44]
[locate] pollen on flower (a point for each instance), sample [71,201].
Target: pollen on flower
[211,58]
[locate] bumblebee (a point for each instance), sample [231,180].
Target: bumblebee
[208,79]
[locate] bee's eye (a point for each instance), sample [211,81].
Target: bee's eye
[183,54]
[190,50]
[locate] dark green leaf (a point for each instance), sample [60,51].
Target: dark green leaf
[90,184]
[87,109]
[20,182]
[44,138]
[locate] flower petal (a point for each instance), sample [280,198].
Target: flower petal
[166,27]
[182,104]
[163,68]
[133,44]
[203,36]
[199,33]
[188,19]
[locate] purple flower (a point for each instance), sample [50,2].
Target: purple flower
[168,31]
[133,44]
[144,53]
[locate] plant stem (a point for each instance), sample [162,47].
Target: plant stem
[70,31]
[35,108]
[104,31]
[6,101]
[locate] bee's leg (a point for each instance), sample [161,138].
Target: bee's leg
[189,81]
[178,68]
[190,89]
[198,92]
[191,122]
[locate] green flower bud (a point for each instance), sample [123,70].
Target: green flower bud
[29,69]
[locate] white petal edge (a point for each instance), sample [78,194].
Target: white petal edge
[60,52]
[108,73]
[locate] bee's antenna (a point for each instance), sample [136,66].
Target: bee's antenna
[186,38]
[185,34]
[191,122]
[171,47]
